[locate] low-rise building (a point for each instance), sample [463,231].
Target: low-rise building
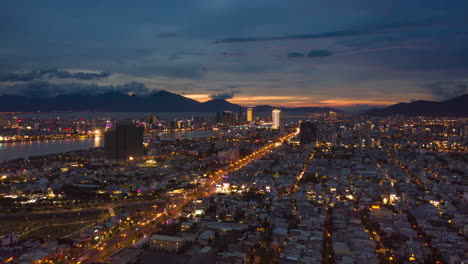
[166,243]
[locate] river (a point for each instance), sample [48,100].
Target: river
[15,150]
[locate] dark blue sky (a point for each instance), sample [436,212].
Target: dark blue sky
[296,53]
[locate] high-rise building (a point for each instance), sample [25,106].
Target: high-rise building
[276,116]
[108,125]
[80,125]
[225,117]
[282,128]
[240,115]
[152,120]
[308,133]
[465,133]
[249,114]
[14,122]
[93,125]
[3,121]
[229,155]
[124,142]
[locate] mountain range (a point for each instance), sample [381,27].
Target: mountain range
[161,101]
[164,101]
[457,106]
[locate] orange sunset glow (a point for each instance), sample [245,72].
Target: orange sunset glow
[292,101]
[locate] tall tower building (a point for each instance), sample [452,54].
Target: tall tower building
[249,114]
[282,127]
[14,122]
[3,121]
[308,133]
[108,125]
[276,116]
[152,120]
[224,117]
[465,133]
[241,115]
[124,142]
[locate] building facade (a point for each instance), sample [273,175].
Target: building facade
[228,156]
[249,114]
[166,243]
[124,142]
[276,117]
[308,133]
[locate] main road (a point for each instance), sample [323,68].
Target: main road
[131,235]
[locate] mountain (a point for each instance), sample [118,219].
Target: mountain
[161,101]
[220,105]
[269,108]
[457,106]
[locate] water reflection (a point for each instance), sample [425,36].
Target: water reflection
[15,150]
[97,141]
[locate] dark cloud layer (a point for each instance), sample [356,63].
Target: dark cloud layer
[232,88]
[368,30]
[386,48]
[446,90]
[51,73]
[224,95]
[47,89]
[292,55]
[333,34]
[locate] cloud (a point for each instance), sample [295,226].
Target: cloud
[367,30]
[312,53]
[292,55]
[223,89]
[447,89]
[224,95]
[134,44]
[51,73]
[80,75]
[47,89]
[331,34]
[319,53]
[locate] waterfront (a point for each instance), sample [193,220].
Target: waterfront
[289,116]
[115,115]
[16,150]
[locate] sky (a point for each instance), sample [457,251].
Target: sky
[340,53]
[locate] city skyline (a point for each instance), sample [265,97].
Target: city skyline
[349,56]
[233,131]
[222,189]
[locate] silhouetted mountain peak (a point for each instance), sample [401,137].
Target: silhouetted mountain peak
[116,101]
[457,106]
[163,93]
[220,105]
